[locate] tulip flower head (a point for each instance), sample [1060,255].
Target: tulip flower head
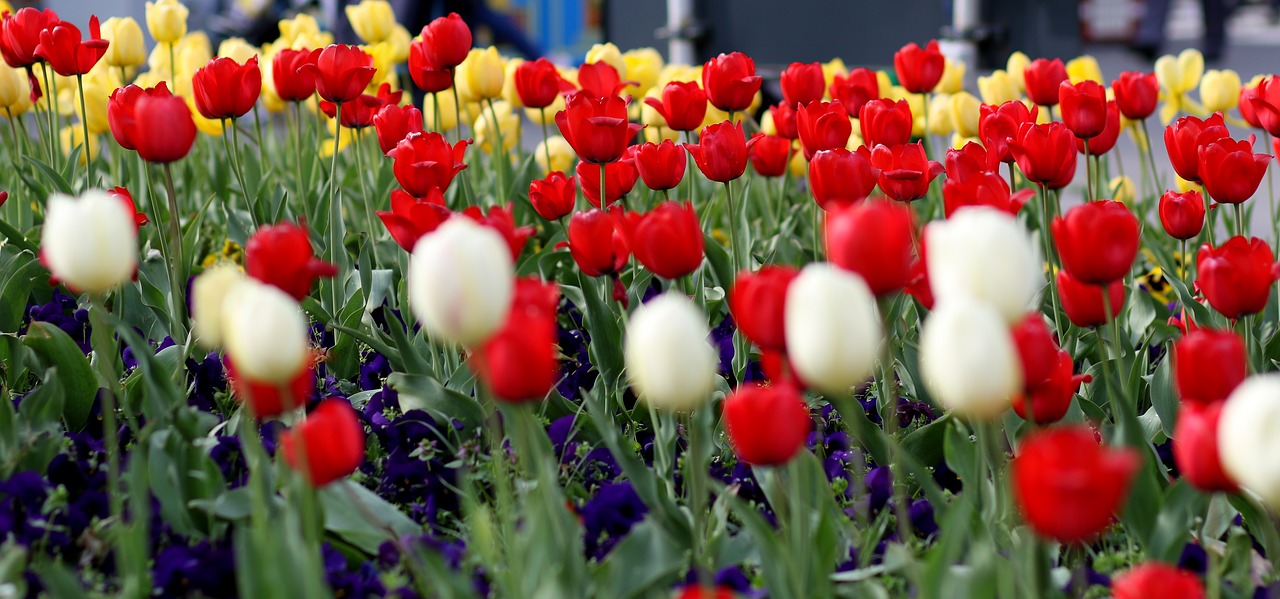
[1136,94]
[968,359]
[1154,579]
[597,244]
[1067,486]
[20,36]
[769,155]
[1195,448]
[856,89]
[905,171]
[620,179]
[90,243]
[292,82]
[964,251]
[802,84]
[1184,138]
[839,177]
[1247,430]
[1264,104]
[333,440]
[166,20]
[410,218]
[669,360]
[683,105]
[919,69]
[1182,214]
[553,197]
[265,332]
[1236,276]
[833,329]
[1048,401]
[661,166]
[758,304]
[885,122]
[667,240]
[1046,154]
[1230,170]
[1084,107]
[461,281]
[61,47]
[372,20]
[822,126]
[730,81]
[1097,241]
[721,153]
[597,128]
[518,363]
[125,47]
[448,41]
[767,425]
[1208,365]
[226,90]
[426,161]
[1043,80]
[208,292]
[341,72]
[281,255]
[875,239]
[999,125]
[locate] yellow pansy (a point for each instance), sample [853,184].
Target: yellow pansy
[72,137]
[643,67]
[372,20]
[609,53]
[952,78]
[562,155]
[1018,63]
[126,48]
[481,75]
[1178,76]
[1220,90]
[966,110]
[166,20]
[1084,68]
[1122,189]
[998,88]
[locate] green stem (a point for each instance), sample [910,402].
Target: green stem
[1088,172]
[1049,258]
[262,141]
[457,113]
[1208,217]
[696,473]
[177,263]
[335,213]
[54,134]
[498,153]
[237,161]
[298,153]
[1151,161]
[546,141]
[84,128]
[888,390]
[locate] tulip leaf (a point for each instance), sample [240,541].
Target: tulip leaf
[57,180]
[362,518]
[719,260]
[927,442]
[1182,502]
[1163,397]
[641,564]
[421,392]
[57,351]
[1259,524]
[606,335]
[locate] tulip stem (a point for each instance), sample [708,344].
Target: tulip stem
[251,203]
[364,193]
[1049,258]
[1088,172]
[177,263]
[546,141]
[696,471]
[50,97]
[1241,230]
[688,140]
[1271,194]
[235,166]
[262,141]
[256,461]
[84,129]
[1208,217]
[1151,162]
[297,158]
[457,114]
[499,152]
[888,384]
[335,211]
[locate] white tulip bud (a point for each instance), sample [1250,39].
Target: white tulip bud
[1249,436]
[208,293]
[90,243]
[984,254]
[833,328]
[968,359]
[670,361]
[264,332]
[461,280]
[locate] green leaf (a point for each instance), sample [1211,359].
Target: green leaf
[362,518]
[59,580]
[1163,397]
[56,350]
[422,392]
[1182,502]
[57,180]
[1258,523]
[642,564]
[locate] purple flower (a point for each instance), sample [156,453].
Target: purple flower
[609,516]
[63,312]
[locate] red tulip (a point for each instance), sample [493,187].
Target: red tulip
[1103,142]
[1195,448]
[918,286]
[822,126]
[757,302]
[333,440]
[919,69]
[281,255]
[620,179]
[767,425]
[1083,302]
[1154,579]
[1042,78]
[427,75]
[448,40]
[225,89]
[502,219]
[721,153]
[875,240]
[1067,485]
[999,125]
[267,400]
[802,84]
[1050,399]
[985,188]
[1036,349]
[518,363]
[667,240]
[159,126]
[393,123]
[1230,171]
[597,128]
[424,161]
[1236,276]
[770,155]
[60,45]
[694,591]
[1084,107]
[292,85]
[1136,94]
[661,165]
[341,72]
[1045,153]
[600,79]
[596,243]
[683,105]
[121,111]
[20,35]
[1265,105]
[410,218]
[885,122]
[730,81]
[966,162]
[358,113]
[1097,241]
[838,177]
[1184,138]
[1208,365]
[859,87]
[1182,214]
[784,121]
[553,197]
[905,171]
[118,192]
[538,83]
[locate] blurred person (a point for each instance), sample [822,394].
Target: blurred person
[1150,38]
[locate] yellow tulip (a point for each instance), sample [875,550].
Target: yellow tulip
[1018,63]
[768,127]
[678,72]
[166,20]
[1184,185]
[126,48]
[798,165]
[72,137]
[952,78]
[23,102]
[562,155]
[372,20]
[301,26]
[959,141]
[940,115]
[855,138]
[383,55]
[327,147]
[658,134]
[399,42]
[1177,76]
[915,101]
[97,90]
[535,114]
[1220,90]
[238,50]
[311,41]
[1043,115]
[966,110]
[270,98]
[509,92]
[508,129]
[1084,68]
[481,75]
[609,53]
[448,112]
[208,127]
[1122,189]
[998,88]
[643,67]
[830,69]
[11,85]
[5,7]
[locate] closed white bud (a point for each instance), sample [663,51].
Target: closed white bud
[968,358]
[1249,436]
[984,254]
[461,280]
[833,328]
[669,359]
[208,293]
[90,243]
[264,332]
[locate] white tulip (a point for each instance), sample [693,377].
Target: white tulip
[90,242]
[1249,436]
[669,359]
[833,328]
[461,280]
[208,293]
[968,359]
[264,332]
[984,254]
